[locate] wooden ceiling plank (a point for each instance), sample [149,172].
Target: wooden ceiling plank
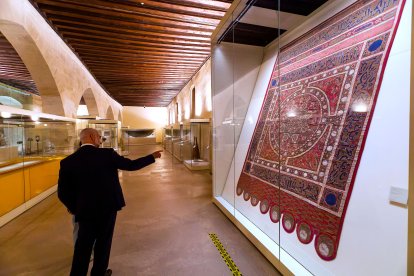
[138,87]
[151,6]
[148,93]
[130,79]
[160,81]
[51,5]
[141,21]
[11,70]
[152,39]
[141,68]
[135,31]
[172,64]
[105,51]
[203,4]
[138,60]
[164,92]
[136,73]
[138,96]
[142,48]
[90,38]
[127,25]
[177,8]
[125,57]
[132,83]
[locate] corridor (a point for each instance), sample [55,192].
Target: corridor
[163,230]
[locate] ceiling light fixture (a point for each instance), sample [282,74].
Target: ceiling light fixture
[5,114]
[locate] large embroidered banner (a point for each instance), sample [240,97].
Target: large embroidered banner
[305,150]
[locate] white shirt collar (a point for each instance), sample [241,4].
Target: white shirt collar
[87,145]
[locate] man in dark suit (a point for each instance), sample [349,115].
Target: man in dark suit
[89,188]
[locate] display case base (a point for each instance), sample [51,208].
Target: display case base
[197,165]
[26,206]
[268,247]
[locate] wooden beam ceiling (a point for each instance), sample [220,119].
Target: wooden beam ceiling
[13,72]
[142,52]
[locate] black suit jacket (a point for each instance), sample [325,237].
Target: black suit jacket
[88,180]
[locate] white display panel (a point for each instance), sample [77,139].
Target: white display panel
[235,71]
[374,235]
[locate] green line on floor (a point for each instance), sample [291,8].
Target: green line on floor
[226,257]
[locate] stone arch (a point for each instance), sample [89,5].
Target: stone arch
[90,102]
[109,113]
[120,116]
[36,64]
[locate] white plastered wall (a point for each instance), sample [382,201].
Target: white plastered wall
[137,117]
[374,235]
[201,81]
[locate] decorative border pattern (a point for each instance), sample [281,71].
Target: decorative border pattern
[309,138]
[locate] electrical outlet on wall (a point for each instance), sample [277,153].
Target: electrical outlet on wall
[398,195]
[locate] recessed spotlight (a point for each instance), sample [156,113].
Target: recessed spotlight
[142,3]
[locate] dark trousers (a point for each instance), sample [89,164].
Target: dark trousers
[98,230]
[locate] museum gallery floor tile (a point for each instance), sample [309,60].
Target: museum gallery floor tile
[163,230]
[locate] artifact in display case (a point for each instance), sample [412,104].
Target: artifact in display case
[196,149]
[17,98]
[108,129]
[33,136]
[139,136]
[167,141]
[177,142]
[31,147]
[124,142]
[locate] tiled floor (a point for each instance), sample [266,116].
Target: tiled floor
[163,230]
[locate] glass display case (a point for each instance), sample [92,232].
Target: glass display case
[312,135]
[31,147]
[14,97]
[167,139]
[124,141]
[139,136]
[196,148]
[177,152]
[32,136]
[173,141]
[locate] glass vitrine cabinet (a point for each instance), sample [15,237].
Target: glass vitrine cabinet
[31,147]
[197,144]
[124,141]
[32,136]
[167,138]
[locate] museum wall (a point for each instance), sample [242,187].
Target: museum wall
[60,76]
[201,82]
[137,117]
[374,232]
